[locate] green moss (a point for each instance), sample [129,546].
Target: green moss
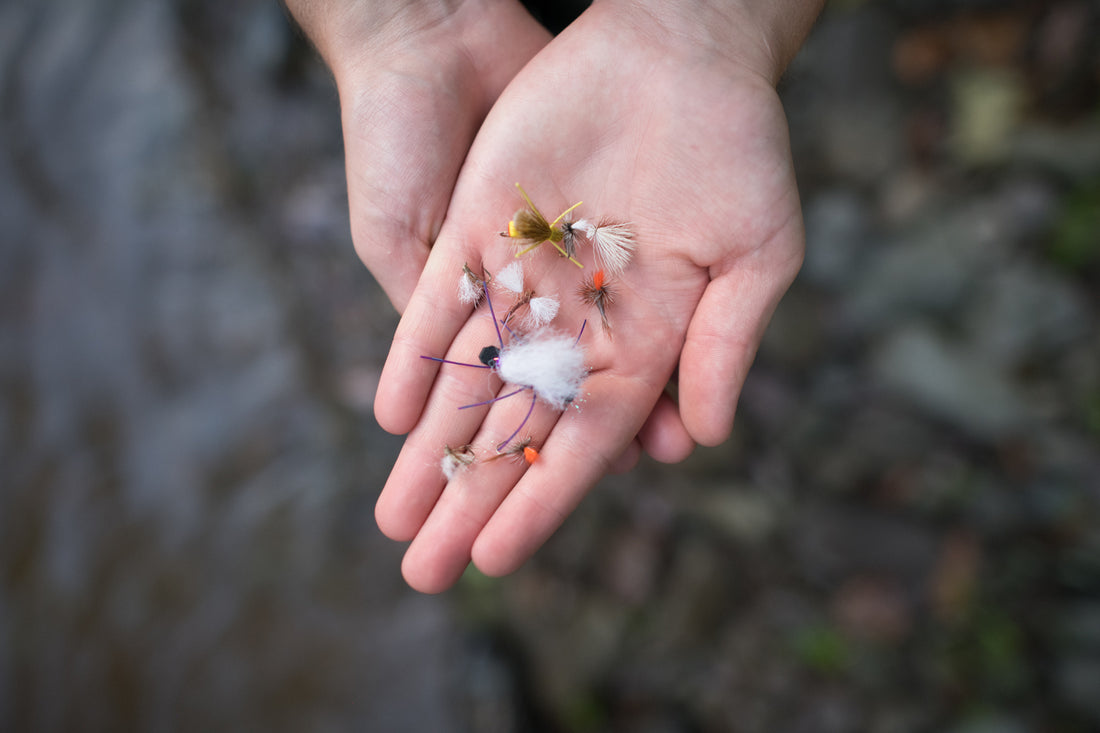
[1075,241]
[822,649]
[1092,414]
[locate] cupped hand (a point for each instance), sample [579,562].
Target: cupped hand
[690,146]
[415,78]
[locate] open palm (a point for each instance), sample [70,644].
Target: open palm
[692,150]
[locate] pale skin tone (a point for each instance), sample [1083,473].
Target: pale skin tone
[666,119]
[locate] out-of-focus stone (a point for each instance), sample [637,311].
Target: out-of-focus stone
[831,545]
[185,538]
[951,383]
[866,607]
[1024,312]
[1075,683]
[836,236]
[953,581]
[1070,151]
[746,514]
[929,268]
[987,108]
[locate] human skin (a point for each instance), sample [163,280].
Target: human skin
[661,114]
[415,80]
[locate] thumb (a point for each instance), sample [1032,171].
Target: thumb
[723,336]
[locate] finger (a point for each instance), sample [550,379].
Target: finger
[416,480]
[581,449]
[628,459]
[722,339]
[440,551]
[664,436]
[428,327]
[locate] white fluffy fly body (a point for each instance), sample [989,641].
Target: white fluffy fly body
[455,459]
[549,362]
[612,242]
[511,278]
[540,311]
[468,291]
[471,288]
[449,465]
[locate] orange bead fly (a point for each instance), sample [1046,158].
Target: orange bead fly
[521,450]
[532,228]
[597,291]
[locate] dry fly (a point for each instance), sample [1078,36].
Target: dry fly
[532,228]
[570,233]
[456,458]
[548,364]
[471,288]
[521,450]
[596,291]
[612,242]
[524,299]
[540,309]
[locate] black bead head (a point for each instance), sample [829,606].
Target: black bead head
[489,356]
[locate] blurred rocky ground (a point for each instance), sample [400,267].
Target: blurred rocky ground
[903,534]
[186,531]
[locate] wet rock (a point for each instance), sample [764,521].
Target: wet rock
[1078,626]
[1073,152]
[742,513]
[950,382]
[929,269]
[863,139]
[796,334]
[991,724]
[1023,312]
[837,232]
[831,545]
[875,609]
[892,444]
[630,563]
[1075,680]
[851,124]
[186,513]
[987,106]
[952,583]
[769,401]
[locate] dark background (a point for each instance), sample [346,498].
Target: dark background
[901,535]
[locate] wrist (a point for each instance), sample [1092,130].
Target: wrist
[357,37]
[344,31]
[760,35]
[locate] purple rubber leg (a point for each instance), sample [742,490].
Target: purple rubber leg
[493,313]
[459,363]
[495,399]
[526,417]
